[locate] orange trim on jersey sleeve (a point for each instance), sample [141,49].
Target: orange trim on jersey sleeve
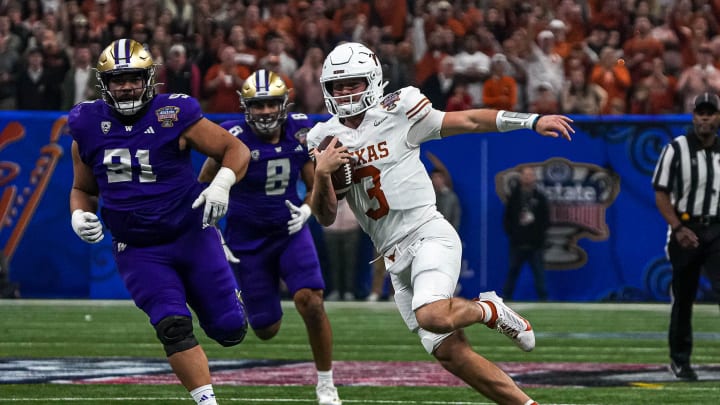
[418,107]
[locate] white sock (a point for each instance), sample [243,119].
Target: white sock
[204,395]
[487,311]
[531,402]
[325,378]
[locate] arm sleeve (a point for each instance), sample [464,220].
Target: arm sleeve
[313,137]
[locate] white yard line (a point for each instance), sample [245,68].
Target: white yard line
[522,305]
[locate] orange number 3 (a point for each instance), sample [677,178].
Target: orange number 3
[373,192]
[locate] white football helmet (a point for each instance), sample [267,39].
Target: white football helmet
[126,56]
[348,61]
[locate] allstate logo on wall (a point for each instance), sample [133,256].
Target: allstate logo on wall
[578,197]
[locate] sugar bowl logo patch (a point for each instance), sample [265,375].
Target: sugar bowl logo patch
[301,135]
[389,102]
[167,116]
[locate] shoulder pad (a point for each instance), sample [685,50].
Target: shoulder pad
[176,107]
[315,135]
[299,120]
[410,101]
[298,116]
[78,115]
[233,126]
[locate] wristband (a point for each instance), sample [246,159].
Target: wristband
[224,178]
[535,121]
[510,121]
[677,228]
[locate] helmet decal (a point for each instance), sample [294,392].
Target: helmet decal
[122,52]
[352,60]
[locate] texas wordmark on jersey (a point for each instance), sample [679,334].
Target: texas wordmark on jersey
[392,193]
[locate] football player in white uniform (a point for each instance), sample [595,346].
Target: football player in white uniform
[392,198]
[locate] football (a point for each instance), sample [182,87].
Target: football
[342,177]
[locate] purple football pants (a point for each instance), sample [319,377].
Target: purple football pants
[292,258]
[164,279]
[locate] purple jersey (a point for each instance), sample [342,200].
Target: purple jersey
[257,203]
[146,182]
[256,229]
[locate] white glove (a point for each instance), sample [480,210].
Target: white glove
[216,196]
[229,256]
[298,216]
[87,226]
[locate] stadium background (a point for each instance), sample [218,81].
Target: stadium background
[625,264]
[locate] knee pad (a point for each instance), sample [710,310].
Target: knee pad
[176,334]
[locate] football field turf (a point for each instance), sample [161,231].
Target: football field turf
[105,352]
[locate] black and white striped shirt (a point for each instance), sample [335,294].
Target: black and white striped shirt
[691,174]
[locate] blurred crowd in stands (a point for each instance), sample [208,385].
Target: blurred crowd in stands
[566,56]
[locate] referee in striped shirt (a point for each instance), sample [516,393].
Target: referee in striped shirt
[687,192]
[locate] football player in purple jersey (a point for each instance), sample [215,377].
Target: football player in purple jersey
[266,236]
[132,150]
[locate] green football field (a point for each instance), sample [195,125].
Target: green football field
[105,352]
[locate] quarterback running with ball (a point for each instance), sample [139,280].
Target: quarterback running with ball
[393,199]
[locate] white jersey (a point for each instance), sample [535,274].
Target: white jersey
[392,194]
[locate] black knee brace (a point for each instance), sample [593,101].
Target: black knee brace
[176,334]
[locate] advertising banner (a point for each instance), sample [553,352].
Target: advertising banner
[605,243]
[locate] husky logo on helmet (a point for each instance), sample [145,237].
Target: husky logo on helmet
[262,87]
[126,57]
[352,60]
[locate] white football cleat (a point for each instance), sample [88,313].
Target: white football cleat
[509,322]
[327,395]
